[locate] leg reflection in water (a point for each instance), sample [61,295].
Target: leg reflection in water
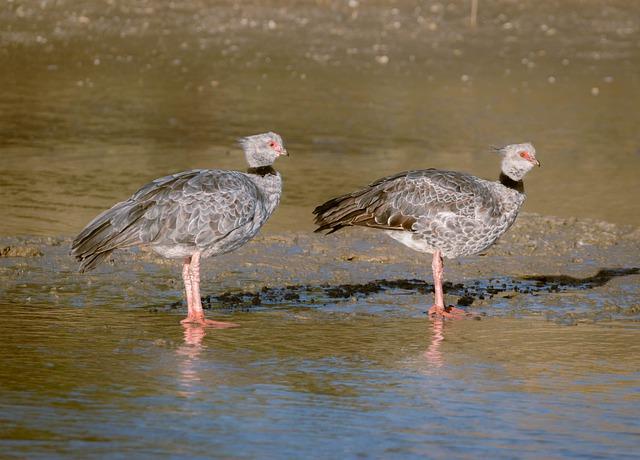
[433,353]
[193,336]
[190,352]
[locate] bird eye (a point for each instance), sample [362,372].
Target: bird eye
[272,144]
[524,154]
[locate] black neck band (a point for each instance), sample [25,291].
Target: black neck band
[516,185]
[262,171]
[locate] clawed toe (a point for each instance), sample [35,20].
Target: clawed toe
[447,312]
[219,324]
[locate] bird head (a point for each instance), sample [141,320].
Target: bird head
[262,149]
[518,159]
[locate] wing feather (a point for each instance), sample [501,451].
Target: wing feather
[197,207]
[405,200]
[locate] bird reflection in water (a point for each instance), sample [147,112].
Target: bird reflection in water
[433,353]
[190,353]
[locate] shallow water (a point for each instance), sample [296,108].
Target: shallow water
[335,357]
[101,381]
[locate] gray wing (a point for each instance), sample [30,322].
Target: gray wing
[197,208]
[407,200]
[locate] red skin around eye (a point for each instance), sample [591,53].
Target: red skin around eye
[527,156]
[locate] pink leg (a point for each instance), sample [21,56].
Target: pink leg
[438,308]
[191,276]
[186,278]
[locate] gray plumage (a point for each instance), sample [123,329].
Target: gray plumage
[205,211]
[428,210]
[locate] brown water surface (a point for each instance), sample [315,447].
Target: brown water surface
[98,98]
[273,388]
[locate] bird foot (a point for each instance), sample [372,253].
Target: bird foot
[447,312]
[202,321]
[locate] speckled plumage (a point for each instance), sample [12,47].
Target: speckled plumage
[446,213]
[206,210]
[200,213]
[428,209]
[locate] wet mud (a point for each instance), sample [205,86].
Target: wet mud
[567,270]
[468,293]
[20,251]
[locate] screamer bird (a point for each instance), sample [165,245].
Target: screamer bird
[444,213]
[191,215]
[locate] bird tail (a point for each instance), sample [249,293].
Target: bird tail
[340,212]
[113,229]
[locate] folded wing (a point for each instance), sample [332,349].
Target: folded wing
[405,200]
[195,208]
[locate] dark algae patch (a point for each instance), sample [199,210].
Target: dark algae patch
[468,293]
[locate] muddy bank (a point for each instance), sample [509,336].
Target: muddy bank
[568,270]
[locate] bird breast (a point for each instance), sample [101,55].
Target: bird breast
[464,234]
[270,185]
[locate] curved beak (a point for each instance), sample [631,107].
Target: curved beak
[284,152]
[531,158]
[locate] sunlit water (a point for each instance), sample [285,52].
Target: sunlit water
[97,365]
[99,99]
[96,98]
[118,381]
